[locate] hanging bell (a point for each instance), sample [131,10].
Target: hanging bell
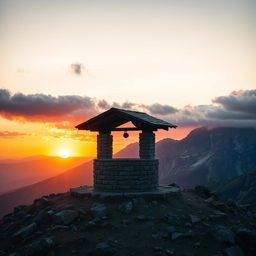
[125,135]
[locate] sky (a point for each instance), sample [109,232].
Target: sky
[189,62]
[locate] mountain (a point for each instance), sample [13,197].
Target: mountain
[184,223]
[203,157]
[241,189]
[207,155]
[19,173]
[130,151]
[78,176]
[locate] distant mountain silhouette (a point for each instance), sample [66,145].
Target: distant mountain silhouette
[204,157]
[15,174]
[131,151]
[208,155]
[241,189]
[78,176]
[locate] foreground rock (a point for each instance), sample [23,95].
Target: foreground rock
[183,224]
[65,217]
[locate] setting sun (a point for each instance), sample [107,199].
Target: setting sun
[64,154]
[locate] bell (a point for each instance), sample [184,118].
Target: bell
[125,135]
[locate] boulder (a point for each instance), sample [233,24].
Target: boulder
[234,251]
[194,219]
[42,216]
[41,203]
[224,235]
[104,249]
[126,207]
[172,219]
[65,217]
[19,208]
[139,201]
[179,235]
[98,210]
[39,247]
[25,231]
[247,240]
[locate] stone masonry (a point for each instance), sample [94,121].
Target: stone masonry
[104,146]
[122,175]
[147,145]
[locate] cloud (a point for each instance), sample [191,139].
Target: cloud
[103,104]
[10,135]
[237,109]
[243,102]
[158,109]
[77,68]
[41,107]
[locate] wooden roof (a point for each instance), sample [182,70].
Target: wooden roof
[114,117]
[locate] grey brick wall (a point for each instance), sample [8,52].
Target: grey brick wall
[147,145]
[104,146]
[125,175]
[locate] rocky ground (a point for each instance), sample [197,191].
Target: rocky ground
[189,223]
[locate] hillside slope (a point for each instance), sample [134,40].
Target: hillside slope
[20,173]
[203,157]
[78,176]
[208,155]
[185,223]
[241,189]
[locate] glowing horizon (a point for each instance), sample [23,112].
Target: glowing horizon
[182,61]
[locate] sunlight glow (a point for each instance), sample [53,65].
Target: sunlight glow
[64,153]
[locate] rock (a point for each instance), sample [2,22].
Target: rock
[59,227]
[194,219]
[104,249]
[19,208]
[173,185]
[82,212]
[139,201]
[234,251]
[141,217]
[170,229]
[94,222]
[65,216]
[174,188]
[210,199]
[172,219]
[157,248]
[41,202]
[203,191]
[42,216]
[247,240]
[169,252]
[224,235]
[98,210]
[217,215]
[125,222]
[126,207]
[158,235]
[154,202]
[176,235]
[25,232]
[50,212]
[40,247]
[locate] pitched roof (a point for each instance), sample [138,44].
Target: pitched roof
[114,117]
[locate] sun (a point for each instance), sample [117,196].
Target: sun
[64,154]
